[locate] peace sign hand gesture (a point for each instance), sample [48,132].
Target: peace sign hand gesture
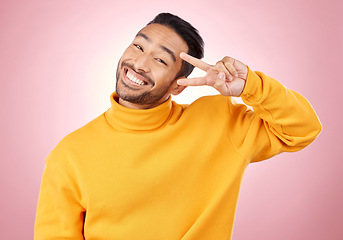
[228,76]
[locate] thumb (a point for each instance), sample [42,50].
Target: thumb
[221,75]
[220,83]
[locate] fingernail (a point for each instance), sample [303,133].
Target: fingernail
[221,75]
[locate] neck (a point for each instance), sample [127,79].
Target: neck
[138,119]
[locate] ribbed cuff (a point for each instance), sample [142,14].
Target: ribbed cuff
[252,91]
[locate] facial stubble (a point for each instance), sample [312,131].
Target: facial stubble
[148,97]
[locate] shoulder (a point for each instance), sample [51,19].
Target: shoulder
[205,109]
[212,104]
[209,101]
[215,108]
[86,132]
[80,139]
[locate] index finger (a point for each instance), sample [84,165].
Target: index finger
[195,61]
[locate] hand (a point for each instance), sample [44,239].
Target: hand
[228,76]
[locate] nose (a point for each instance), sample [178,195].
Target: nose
[142,63]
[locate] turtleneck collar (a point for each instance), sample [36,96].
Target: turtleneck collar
[124,118]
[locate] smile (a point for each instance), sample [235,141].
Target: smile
[134,79]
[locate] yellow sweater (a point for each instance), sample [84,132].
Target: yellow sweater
[168,173]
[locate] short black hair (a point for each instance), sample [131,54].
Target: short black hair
[188,33]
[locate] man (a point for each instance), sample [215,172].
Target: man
[149,168]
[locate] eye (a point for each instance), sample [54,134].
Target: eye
[161,61]
[138,47]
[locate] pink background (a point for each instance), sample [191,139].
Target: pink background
[58,61]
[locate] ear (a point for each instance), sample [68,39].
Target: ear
[175,88]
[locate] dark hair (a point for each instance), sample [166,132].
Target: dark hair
[188,33]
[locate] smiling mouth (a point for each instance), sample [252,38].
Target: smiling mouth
[134,79]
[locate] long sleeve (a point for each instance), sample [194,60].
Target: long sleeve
[60,214]
[281,120]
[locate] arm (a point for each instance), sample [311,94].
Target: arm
[60,214]
[282,119]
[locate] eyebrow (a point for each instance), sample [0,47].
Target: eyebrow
[162,47]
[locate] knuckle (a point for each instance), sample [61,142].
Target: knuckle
[212,70]
[226,59]
[219,63]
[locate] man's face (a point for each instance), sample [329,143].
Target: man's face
[149,66]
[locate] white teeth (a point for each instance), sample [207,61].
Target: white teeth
[134,79]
